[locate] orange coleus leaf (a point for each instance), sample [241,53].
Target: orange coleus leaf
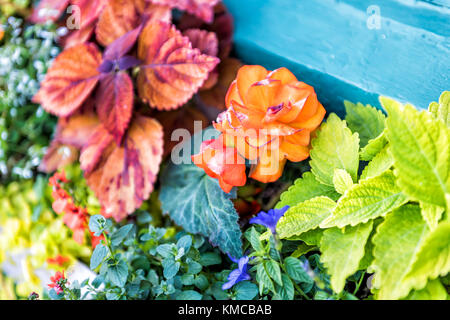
[122,176]
[126,15]
[204,9]
[76,129]
[48,10]
[115,103]
[72,133]
[70,80]
[173,71]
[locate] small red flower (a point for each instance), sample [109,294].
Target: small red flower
[58,282]
[96,240]
[58,260]
[222,163]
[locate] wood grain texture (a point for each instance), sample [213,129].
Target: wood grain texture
[328,44]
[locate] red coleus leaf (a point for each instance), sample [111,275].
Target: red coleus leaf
[207,43]
[48,10]
[122,176]
[222,26]
[69,81]
[204,9]
[115,103]
[173,70]
[203,40]
[126,15]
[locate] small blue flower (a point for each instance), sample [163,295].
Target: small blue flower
[239,274]
[269,219]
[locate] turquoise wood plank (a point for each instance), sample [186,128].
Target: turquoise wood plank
[330,45]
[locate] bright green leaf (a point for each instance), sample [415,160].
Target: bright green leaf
[396,244]
[382,162]
[367,200]
[434,290]
[366,120]
[441,110]
[305,188]
[433,258]
[305,216]
[342,252]
[335,147]
[342,181]
[373,147]
[420,146]
[431,214]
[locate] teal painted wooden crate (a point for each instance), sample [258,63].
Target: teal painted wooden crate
[350,49]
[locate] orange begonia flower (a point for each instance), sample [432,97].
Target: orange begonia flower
[222,163]
[269,118]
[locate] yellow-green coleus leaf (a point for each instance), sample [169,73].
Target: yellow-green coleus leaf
[431,214]
[382,162]
[304,216]
[420,145]
[342,251]
[367,200]
[441,109]
[434,290]
[433,258]
[342,180]
[335,147]
[366,120]
[373,147]
[396,244]
[305,188]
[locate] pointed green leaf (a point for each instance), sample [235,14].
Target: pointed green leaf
[420,145]
[335,147]
[441,110]
[342,180]
[342,252]
[382,162]
[433,258]
[396,244]
[367,200]
[366,120]
[305,188]
[431,214]
[274,271]
[305,216]
[373,147]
